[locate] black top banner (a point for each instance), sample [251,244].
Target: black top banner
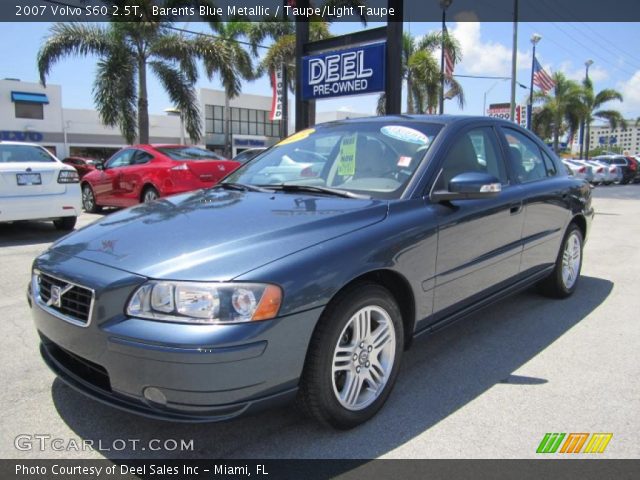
[371,11]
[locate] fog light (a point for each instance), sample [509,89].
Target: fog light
[155,395]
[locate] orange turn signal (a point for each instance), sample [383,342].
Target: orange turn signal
[269,303]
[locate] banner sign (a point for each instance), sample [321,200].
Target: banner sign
[352,71]
[17,136]
[500,110]
[278,89]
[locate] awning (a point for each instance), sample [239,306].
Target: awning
[29,97]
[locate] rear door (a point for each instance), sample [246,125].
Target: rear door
[479,241]
[546,202]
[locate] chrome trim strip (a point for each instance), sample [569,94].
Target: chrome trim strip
[35,289]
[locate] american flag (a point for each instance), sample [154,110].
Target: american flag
[541,79]
[448,58]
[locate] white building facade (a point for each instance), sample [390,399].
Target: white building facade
[619,140]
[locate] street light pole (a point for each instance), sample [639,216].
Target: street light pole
[484,102]
[535,38]
[444,4]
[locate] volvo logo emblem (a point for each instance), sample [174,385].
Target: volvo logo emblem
[57,292]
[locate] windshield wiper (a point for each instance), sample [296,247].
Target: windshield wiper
[316,189]
[243,187]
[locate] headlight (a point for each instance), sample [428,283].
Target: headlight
[209,303]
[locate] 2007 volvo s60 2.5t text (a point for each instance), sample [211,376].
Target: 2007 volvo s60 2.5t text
[210,304]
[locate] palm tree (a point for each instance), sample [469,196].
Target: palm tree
[592,108]
[561,109]
[126,51]
[421,71]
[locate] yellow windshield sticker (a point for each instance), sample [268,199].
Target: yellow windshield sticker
[296,137]
[347,162]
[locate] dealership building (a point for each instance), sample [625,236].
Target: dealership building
[622,140]
[33,113]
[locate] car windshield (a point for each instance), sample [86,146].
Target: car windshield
[368,158]
[188,153]
[24,154]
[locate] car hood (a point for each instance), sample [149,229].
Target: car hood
[215,234]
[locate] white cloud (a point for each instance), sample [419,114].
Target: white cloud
[630,91]
[596,73]
[485,57]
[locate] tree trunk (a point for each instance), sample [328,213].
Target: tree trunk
[143,102]
[556,138]
[410,106]
[587,140]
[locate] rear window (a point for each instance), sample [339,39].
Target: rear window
[24,154]
[188,153]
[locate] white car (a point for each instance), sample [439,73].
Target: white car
[35,185]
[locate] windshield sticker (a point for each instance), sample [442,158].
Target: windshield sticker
[296,137]
[347,163]
[405,134]
[404,161]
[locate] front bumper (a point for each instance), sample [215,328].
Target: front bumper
[171,371]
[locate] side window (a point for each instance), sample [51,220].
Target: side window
[475,151]
[525,157]
[549,164]
[121,159]
[141,157]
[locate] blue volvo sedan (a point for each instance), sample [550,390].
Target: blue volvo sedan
[211,304]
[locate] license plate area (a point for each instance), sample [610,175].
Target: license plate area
[24,179]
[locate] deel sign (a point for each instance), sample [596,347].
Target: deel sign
[347,72]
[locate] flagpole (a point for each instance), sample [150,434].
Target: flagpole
[535,38]
[444,4]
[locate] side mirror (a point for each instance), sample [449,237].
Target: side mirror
[469,186]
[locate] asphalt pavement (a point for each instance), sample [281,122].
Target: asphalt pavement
[490,386]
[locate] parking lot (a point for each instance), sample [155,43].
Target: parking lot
[489,387]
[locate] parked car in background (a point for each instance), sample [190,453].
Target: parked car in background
[589,174]
[82,165]
[611,173]
[314,287]
[600,174]
[35,185]
[143,173]
[578,171]
[248,154]
[635,166]
[629,168]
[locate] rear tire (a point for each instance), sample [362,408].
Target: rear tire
[65,223]
[149,194]
[562,282]
[89,200]
[354,357]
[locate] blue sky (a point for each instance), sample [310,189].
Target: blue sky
[486,51]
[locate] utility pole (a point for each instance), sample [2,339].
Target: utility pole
[514,61]
[587,64]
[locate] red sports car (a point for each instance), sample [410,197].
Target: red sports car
[143,173]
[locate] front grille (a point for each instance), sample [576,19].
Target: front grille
[73,301]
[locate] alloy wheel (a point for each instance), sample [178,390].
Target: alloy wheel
[88,202]
[571,257]
[363,358]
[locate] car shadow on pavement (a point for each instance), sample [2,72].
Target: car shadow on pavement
[440,374]
[28,233]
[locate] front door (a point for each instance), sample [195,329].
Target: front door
[479,241]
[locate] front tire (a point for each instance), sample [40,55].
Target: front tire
[354,357]
[65,223]
[89,200]
[562,282]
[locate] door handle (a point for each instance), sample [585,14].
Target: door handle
[515,208]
